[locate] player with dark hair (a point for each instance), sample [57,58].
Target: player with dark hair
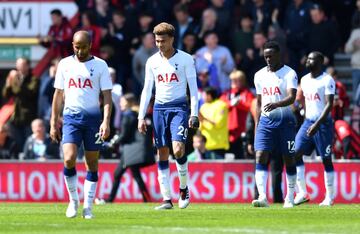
[317,130]
[79,80]
[276,86]
[172,71]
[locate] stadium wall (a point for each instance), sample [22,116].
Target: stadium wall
[219,182]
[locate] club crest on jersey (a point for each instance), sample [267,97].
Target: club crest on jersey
[80,83]
[271,91]
[168,78]
[312,97]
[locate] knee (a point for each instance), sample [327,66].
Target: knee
[261,157]
[69,162]
[178,151]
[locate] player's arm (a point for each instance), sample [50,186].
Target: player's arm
[288,100]
[145,98]
[258,110]
[190,73]
[105,125]
[55,113]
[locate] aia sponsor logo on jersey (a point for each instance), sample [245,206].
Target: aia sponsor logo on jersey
[270,91]
[312,97]
[80,83]
[167,78]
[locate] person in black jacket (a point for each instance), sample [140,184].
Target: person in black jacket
[136,149]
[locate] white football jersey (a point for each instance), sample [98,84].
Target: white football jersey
[171,77]
[273,86]
[82,83]
[315,90]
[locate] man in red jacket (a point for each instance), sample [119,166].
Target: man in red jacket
[238,100]
[59,37]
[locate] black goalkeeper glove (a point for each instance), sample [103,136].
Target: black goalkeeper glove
[194,122]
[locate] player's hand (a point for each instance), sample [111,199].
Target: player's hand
[104,130]
[194,122]
[55,134]
[142,126]
[270,106]
[312,129]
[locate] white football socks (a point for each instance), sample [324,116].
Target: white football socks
[71,186]
[164,182]
[89,193]
[261,177]
[183,174]
[300,179]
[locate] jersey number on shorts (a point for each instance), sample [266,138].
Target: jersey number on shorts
[291,146]
[98,139]
[183,132]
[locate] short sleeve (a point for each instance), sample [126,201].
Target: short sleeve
[292,80]
[330,86]
[257,84]
[105,79]
[59,76]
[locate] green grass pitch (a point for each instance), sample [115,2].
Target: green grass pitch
[197,218]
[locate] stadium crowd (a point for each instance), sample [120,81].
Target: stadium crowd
[225,37]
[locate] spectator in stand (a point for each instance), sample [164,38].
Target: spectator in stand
[297,22]
[39,145]
[139,59]
[261,13]
[184,24]
[208,23]
[213,116]
[59,37]
[103,13]
[352,47]
[321,29]
[88,23]
[46,92]
[145,21]
[341,99]
[224,19]
[254,59]
[275,33]
[200,152]
[213,54]
[238,100]
[160,9]
[190,43]
[119,37]
[8,147]
[24,88]
[242,39]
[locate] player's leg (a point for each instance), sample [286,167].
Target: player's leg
[164,178]
[323,142]
[135,170]
[303,145]
[71,141]
[182,169]
[162,136]
[70,177]
[119,171]
[179,132]
[92,143]
[263,144]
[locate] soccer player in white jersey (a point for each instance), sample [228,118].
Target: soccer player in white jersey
[79,80]
[276,86]
[317,131]
[171,70]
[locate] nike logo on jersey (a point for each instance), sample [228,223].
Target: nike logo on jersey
[167,78]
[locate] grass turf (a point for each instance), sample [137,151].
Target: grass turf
[197,218]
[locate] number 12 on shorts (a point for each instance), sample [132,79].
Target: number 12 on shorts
[291,146]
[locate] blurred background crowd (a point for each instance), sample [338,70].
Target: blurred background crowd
[225,38]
